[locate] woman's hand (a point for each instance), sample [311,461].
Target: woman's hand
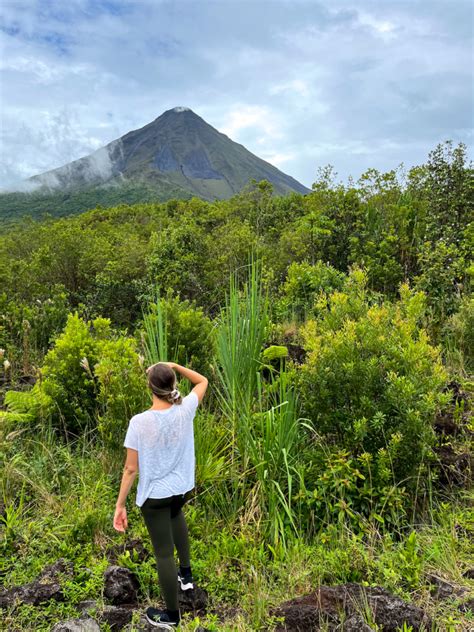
[120,518]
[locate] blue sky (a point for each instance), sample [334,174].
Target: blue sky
[355,84]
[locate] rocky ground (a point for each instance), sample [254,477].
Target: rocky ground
[346,607]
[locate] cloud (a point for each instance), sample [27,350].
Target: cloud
[354,84]
[258,118]
[383,28]
[295,86]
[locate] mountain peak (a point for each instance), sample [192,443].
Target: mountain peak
[178,155]
[176,113]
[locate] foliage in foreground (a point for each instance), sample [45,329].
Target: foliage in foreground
[65,508]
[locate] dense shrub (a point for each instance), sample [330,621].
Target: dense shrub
[91,379]
[458,337]
[122,390]
[67,375]
[336,486]
[442,273]
[303,284]
[115,298]
[178,330]
[381,258]
[176,257]
[27,328]
[372,379]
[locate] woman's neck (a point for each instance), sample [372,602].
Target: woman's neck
[160,404]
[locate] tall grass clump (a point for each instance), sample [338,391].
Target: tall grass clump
[241,332]
[273,440]
[155,333]
[261,414]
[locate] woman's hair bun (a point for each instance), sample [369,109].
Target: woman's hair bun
[175,394]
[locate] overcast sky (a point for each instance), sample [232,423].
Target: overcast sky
[355,84]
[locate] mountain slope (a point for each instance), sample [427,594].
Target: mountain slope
[176,155]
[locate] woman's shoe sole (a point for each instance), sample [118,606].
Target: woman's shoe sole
[162,625]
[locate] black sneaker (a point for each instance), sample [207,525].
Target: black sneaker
[160,619]
[185,581]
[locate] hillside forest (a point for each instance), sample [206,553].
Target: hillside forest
[334,446]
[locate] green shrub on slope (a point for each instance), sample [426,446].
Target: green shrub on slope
[372,379]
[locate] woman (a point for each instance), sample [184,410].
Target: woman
[160,448]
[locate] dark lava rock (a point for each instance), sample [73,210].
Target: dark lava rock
[141,626]
[469,574]
[448,421]
[296,353]
[303,615]
[59,567]
[445,423]
[77,625]
[441,589]
[47,586]
[144,626]
[458,394]
[355,624]
[116,616]
[455,469]
[306,614]
[120,585]
[467,606]
[194,600]
[134,547]
[27,380]
[87,605]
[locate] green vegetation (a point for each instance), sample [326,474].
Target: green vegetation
[40,205]
[338,346]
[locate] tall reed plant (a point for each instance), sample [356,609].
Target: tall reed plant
[155,338]
[265,430]
[273,438]
[155,334]
[241,335]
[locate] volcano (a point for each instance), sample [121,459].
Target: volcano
[178,155]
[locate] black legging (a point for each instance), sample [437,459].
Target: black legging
[167,527]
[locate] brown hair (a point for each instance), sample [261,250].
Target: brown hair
[162,383]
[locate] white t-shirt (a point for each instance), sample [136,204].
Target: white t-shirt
[164,440]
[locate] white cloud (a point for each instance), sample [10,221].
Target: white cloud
[278,160]
[295,86]
[258,118]
[382,27]
[39,71]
